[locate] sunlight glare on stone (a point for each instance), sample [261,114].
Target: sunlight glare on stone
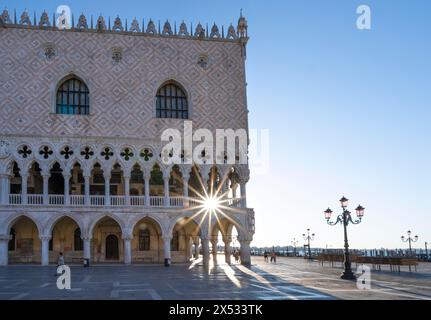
[211,203]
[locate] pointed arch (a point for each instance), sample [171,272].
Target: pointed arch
[72,96]
[100,218]
[50,224]
[8,224]
[133,223]
[172,101]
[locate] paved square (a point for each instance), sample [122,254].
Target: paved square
[289,278]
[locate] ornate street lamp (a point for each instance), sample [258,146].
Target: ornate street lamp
[294,244]
[307,237]
[409,239]
[345,218]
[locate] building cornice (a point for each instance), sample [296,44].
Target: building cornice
[233,35]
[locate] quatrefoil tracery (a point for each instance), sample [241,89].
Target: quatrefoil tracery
[107,153]
[25,151]
[127,154]
[66,152]
[87,153]
[146,154]
[45,152]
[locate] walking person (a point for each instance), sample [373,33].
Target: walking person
[236,255]
[60,262]
[265,256]
[273,257]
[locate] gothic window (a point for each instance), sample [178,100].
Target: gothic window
[11,244]
[136,176]
[73,97]
[144,240]
[98,174]
[175,243]
[171,102]
[78,243]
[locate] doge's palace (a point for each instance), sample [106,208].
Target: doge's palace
[82,110]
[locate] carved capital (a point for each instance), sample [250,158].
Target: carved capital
[127,237]
[45,237]
[5,237]
[167,238]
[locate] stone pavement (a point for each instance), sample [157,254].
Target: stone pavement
[289,278]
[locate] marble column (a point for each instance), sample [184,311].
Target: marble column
[245,252]
[4,241]
[66,189]
[7,189]
[87,247]
[167,247]
[147,190]
[107,189]
[127,190]
[166,188]
[4,190]
[87,190]
[45,178]
[127,248]
[234,186]
[214,251]
[196,243]
[243,195]
[24,180]
[45,249]
[227,249]
[186,190]
[205,251]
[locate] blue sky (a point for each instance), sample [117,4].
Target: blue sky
[348,110]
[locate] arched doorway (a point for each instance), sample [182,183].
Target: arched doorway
[26,246]
[147,243]
[111,248]
[106,244]
[185,234]
[66,238]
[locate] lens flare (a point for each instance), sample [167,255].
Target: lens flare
[211,203]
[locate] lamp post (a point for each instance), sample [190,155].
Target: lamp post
[307,237]
[294,244]
[426,250]
[345,218]
[409,239]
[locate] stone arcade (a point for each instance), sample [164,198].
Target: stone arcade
[81,115]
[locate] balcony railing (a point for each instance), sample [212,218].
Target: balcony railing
[157,201]
[77,200]
[117,201]
[56,199]
[14,199]
[97,200]
[114,201]
[137,201]
[176,201]
[35,199]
